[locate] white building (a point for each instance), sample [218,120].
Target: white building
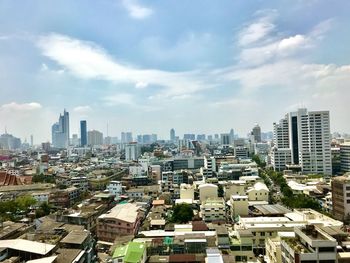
[132,151]
[306,135]
[115,188]
[311,244]
[208,191]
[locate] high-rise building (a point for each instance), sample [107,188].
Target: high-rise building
[60,131]
[126,137]
[345,157]
[341,197]
[132,151]
[189,136]
[256,133]
[31,140]
[303,138]
[225,139]
[172,135]
[232,135]
[95,138]
[83,133]
[9,142]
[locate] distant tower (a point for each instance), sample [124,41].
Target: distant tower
[256,132]
[31,141]
[83,133]
[60,131]
[232,136]
[172,135]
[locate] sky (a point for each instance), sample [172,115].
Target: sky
[198,66]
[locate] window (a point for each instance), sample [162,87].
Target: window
[262,234]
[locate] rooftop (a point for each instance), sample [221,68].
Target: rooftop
[27,246]
[125,212]
[75,237]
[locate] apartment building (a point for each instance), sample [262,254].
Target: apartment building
[341,197]
[213,210]
[121,220]
[303,138]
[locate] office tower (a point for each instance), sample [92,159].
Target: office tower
[302,138]
[154,137]
[341,197]
[129,137]
[232,136]
[60,131]
[95,138]
[172,135]
[201,137]
[256,133]
[83,133]
[31,140]
[345,157]
[126,137]
[216,136]
[55,128]
[9,142]
[189,136]
[132,151]
[225,139]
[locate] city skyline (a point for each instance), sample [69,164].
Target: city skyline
[236,63]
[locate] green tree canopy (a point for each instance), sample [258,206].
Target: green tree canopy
[182,213]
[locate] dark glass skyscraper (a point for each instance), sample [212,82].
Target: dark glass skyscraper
[83,133]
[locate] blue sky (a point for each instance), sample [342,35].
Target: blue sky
[147,66]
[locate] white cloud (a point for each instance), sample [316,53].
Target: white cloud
[259,29]
[82,109]
[88,61]
[136,10]
[120,99]
[141,85]
[14,106]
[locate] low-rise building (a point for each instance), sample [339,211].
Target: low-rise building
[123,219]
[310,244]
[259,192]
[213,210]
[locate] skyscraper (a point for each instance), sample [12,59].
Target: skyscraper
[83,133]
[172,135]
[256,133]
[95,138]
[60,131]
[304,139]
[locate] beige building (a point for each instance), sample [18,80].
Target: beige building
[208,191]
[213,210]
[273,247]
[234,188]
[187,191]
[242,246]
[341,196]
[239,206]
[259,192]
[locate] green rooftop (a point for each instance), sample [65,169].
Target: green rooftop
[132,252]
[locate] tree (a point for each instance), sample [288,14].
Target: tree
[43,210]
[182,213]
